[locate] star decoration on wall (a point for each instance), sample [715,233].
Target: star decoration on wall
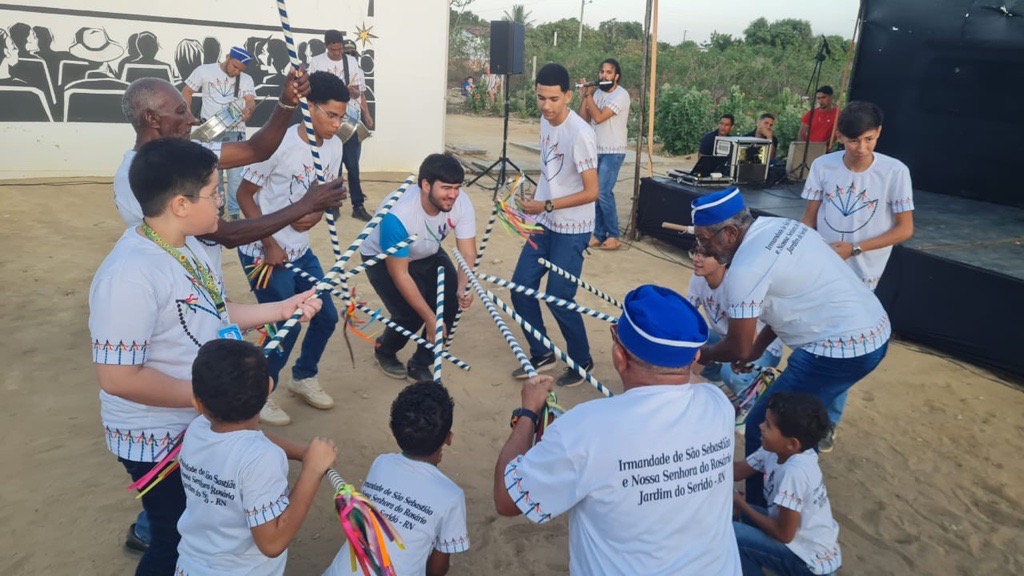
[364,34]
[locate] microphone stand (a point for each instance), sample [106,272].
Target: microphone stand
[503,161]
[803,168]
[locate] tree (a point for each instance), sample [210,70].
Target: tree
[615,31]
[519,15]
[790,32]
[722,42]
[758,33]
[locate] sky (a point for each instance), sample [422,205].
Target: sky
[696,19]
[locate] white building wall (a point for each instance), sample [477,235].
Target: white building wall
[409,54]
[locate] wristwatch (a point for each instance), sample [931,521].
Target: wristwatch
[856,250]
[521,412]
[549,205]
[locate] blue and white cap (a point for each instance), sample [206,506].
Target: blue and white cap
[240,54]
[661,327]
[716,207]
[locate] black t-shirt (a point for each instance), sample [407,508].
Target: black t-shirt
[707,143]
[775,140]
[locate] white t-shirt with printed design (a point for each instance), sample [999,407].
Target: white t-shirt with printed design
[646,477]
[786,275]
[218,89]
[856,206]
[797,485]
[283,180]
[408,217]
[145,310]
[424,505]
[566,151]
[323,63]
[131,212]
[716,308]
[611,134]
[234,482]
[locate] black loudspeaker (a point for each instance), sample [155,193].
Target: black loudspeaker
[508,43]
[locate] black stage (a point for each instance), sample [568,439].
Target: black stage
[957,285]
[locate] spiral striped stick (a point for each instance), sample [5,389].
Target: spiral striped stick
[524,360]
[377,217]
[384,320]
[549,298]
[307,122]
[365,528]
[439,325]
[476,265]
[551,345]
[579,282]
[337,271]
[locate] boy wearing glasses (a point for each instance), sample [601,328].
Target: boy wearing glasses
[155,299]
[270,186]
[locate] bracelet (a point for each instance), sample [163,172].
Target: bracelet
[520,412]
[285,106]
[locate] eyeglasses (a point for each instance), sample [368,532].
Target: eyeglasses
[703,244]
[698,251]
[330,115]
[217,197]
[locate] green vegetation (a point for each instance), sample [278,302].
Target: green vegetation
[767,70]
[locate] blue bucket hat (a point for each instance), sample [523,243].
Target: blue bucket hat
[240,54]
[716,207]
[661,327]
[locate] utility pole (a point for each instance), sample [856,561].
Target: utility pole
[583,3]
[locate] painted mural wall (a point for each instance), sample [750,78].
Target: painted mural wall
[64,70]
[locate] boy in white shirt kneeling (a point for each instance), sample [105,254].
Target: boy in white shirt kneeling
[797,534]
[424,505]
[239,515]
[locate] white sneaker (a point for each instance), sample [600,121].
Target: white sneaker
[273,415]
[311,392]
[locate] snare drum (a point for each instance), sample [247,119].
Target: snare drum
[224,121]
[350,127]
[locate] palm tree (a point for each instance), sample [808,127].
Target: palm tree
[519,15]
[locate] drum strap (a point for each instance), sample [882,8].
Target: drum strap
[237,80]
[344,62]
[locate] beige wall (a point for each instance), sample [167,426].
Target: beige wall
[410,65]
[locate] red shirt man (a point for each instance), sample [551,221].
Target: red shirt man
[824,118]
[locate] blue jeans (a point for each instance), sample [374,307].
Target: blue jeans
[736,381]
[819,376]
[350,153]
[284,284]
[566,252]
[142,527]
[234,177]
[164,505]
[759,550]
[606,219]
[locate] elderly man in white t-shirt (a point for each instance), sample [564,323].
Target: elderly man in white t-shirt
[607,110]
[220,84]
[783,273]
[564,206]
[646,476]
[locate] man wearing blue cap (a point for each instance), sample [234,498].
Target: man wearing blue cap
[784,273]
[220,85]
[646,475]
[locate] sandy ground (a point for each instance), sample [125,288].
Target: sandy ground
[924,478]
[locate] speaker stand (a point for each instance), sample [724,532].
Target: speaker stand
[503,162]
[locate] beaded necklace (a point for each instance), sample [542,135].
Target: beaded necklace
[202,275]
